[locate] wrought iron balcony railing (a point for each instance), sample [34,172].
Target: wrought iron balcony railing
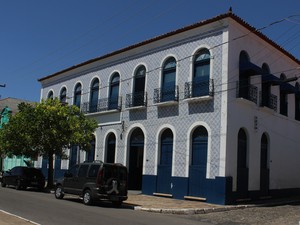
[270,102]
[102,105]
[136,99]
[166,94]
[249,92]
[199,89]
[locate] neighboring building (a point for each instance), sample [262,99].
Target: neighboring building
[209,111]
[8,107]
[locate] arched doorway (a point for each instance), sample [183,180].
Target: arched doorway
[264,166]
[90,155]
[136,154]
[242,168]
[164,169]
[111,148]
[197,169]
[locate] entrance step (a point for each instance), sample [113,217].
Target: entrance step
[193,198]
[265,197]
[163,195]
[243,199]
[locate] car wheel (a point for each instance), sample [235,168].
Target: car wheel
[117,204]
[87,197]
[18,185]
[59,194]
[3,184]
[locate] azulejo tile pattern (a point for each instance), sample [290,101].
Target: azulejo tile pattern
[180,117]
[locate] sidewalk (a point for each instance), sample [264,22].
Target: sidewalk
[138,201]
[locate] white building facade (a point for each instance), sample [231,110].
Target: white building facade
[209,111]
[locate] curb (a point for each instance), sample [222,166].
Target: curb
[191,211]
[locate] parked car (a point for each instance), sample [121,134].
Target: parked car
[95,181]
[22,177]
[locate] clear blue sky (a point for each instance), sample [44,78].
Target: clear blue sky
[41,37]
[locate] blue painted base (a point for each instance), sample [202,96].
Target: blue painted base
[217,191]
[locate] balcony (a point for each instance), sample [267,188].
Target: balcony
[134,100]
[103,105]
[248,92]
[199,89]
[168,95]
[270,102]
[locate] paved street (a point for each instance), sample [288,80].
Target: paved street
[273,215]
[43,208]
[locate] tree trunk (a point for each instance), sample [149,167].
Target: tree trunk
[50,171]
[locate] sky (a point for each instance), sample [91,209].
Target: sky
[41,37]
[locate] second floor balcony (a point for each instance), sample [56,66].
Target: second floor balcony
[166,95]
[137,99]
[247,91]
[102,105]
[269,101]
[196,89]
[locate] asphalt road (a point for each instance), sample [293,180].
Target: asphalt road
[43,208]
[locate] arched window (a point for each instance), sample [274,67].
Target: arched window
[114,91]
[266,86]
[77,95]
[244,80]
[94,95]
[201,73]
[168,80]
[111,148]
[283,98]
[63,95]
[50,95]
[297,102]
[139,86]
[244,57]
[266,68]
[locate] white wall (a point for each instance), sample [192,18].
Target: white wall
[283,132]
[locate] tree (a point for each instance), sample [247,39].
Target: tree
[46,129]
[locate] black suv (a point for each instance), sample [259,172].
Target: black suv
[95,181]
[22,177]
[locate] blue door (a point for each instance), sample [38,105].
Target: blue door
[164,170]
[111,148]
[136,154]
[197,170]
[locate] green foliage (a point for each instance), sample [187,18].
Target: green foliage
[45,129]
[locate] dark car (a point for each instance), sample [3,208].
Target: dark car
[22,177]
[95,181]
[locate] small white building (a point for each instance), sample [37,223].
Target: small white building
[209,111]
